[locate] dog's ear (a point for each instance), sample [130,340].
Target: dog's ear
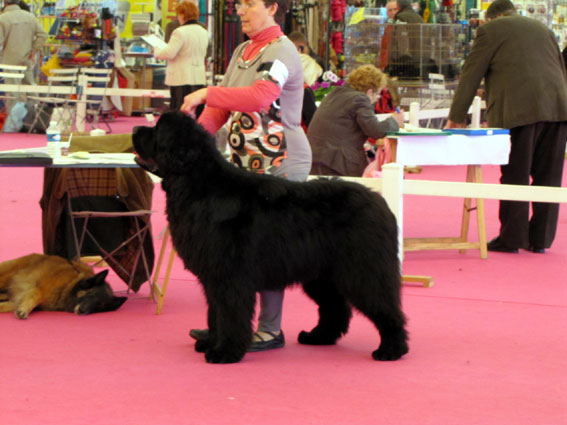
[116,303]
[91,282]
[140,135]
[181,142]
[100,278]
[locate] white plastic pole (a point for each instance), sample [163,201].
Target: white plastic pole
[393,193]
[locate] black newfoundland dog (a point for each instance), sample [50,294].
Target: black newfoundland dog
[241,233]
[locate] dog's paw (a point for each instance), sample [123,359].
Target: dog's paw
[222,356]
[315,338]
[21,314]
[201,346]
[390,353]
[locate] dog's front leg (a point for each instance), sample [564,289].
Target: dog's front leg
[202,345]
[234,308]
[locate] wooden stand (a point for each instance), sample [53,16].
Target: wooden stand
[474,174]
[425,281]
[158,293]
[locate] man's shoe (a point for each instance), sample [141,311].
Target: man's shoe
[277,341]
[536,249]
[496,245]
[199,334]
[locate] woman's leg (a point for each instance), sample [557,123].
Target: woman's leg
[270,317]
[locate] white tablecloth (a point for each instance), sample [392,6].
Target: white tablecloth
[453,150]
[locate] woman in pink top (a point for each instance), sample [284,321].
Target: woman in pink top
[261,96]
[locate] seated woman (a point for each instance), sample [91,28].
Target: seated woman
[344,120]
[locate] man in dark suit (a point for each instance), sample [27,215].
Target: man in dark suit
[407,14]
[526,89]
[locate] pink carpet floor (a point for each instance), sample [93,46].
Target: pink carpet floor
[488,340]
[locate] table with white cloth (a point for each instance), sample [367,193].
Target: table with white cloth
[472,151]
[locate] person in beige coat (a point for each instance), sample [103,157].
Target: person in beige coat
[21,37]
[185,54]
[526,92]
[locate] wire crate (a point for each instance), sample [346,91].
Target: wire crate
[409,52]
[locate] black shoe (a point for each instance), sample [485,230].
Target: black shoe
[199,334]
[496,245]
[277,341]
[536,249]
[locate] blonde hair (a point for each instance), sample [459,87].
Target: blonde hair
[367,77]
[311,69]
[188,9]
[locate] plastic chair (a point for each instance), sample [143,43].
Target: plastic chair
[94,78]
[61,96]
[11,75]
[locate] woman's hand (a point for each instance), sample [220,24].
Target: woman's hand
[192,100]
[398,115]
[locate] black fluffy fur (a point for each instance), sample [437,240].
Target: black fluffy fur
[241,233]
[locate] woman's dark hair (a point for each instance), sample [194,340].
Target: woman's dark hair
[283,5]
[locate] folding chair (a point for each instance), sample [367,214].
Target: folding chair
[60,96]
[103,212]
[12,75]
[95,78]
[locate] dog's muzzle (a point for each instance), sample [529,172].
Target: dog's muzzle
[148,165]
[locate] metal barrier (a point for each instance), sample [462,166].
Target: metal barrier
[84,91]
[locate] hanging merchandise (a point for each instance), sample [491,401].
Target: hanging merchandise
[232,34]
[338,9]
[81,32]
[426,13]
[227,32]
[337,42]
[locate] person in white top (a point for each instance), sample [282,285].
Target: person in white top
[185,54]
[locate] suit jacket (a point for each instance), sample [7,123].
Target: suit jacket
[185,54]
[524,74]
[408,15]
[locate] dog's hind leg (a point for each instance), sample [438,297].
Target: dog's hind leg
[26,302]
[233,306]
[380,302]
[334,314]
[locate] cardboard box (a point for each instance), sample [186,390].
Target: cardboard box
[126,79]
[140,104]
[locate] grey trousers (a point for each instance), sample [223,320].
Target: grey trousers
[271,305]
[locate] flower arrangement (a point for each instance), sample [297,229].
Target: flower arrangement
[322,88]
